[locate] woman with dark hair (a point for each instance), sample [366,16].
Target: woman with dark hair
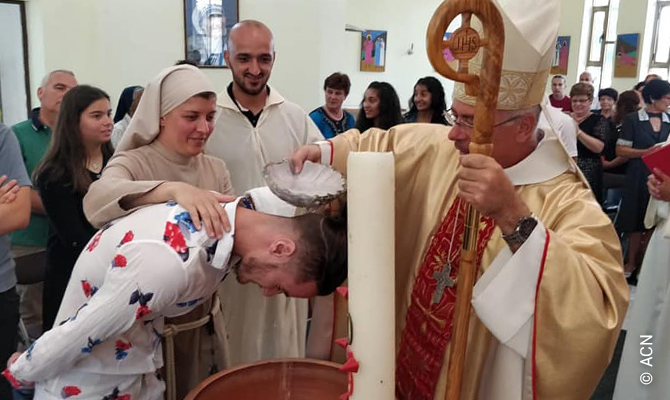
[79,150]
[641,131]
[591,133]
[627,103]
[380,108]
[428,104]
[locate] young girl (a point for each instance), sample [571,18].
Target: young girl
[380,108]
[427,104]
[79,150]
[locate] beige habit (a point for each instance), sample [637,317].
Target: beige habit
[140,165]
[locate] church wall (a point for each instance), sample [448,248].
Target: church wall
[118,43]
[113,44]
[406,23]
[632,18]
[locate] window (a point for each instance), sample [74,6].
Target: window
[14,78]
[660,51]
[602,41]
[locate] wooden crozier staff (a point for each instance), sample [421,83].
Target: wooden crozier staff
[464,44]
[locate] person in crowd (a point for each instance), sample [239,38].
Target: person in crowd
[428,104]
[554,119]
[640,85]
[130,98]
[331,118]
[638,90]
[591,134]
[614,167]
[159,159]
[79,151]
[587,77]
[34,135]
[607,99]
[640,132]
[380,107]
[154,263]
[15,190]
[256,125]
[125,102]
[557,97]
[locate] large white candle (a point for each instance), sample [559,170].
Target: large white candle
[371,224]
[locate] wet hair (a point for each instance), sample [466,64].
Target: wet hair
[66,156]
[438,104]
[582,89]
[322,250]
[654,90]
[627,103]
[338,81]
[389,109]
[609,92]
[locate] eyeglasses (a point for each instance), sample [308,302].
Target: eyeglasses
[469,123]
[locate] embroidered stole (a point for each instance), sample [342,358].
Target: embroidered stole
[429,321]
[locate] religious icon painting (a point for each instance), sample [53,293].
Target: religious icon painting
[559,65]
[625,62]
[206,27]
[373,51]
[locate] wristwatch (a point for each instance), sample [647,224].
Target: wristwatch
[522,231]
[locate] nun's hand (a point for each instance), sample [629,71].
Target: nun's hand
[205,208]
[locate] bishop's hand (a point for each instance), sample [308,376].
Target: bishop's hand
[310,152]
[483,183]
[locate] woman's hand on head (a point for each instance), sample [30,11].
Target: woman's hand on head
[205,208]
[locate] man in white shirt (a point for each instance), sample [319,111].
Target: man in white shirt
[153,263]
[256,126]
[587,77]
[562,124]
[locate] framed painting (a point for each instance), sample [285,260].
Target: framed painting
[206,27]
[625,60]
[373,51]
[559,65]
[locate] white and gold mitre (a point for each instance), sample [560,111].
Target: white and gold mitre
[531,27]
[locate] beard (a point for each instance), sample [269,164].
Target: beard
[251,91]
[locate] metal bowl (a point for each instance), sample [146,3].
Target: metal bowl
[281,379]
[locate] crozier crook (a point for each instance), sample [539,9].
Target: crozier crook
[464,44]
